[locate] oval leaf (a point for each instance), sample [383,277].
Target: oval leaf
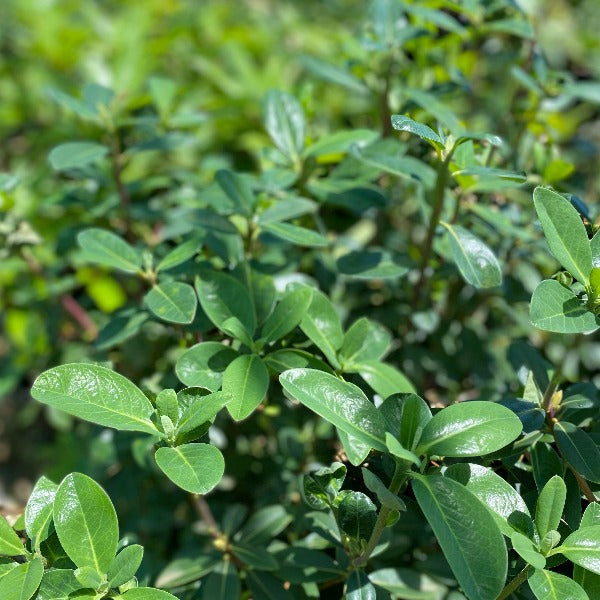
[10,544]
[125,565]
[300,236]
[246,380]
[76,155]
[172,301]
[22,582]
[38,512]
[203,365]
[106,248]
[578,449]
[287,314]
[284,121]
[582,547]
[547,585]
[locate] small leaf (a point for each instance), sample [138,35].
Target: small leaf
[266,587]
[365,340]
[565,232]
[106,248]
[467,534]
[172,301]
[284,121]
[338,402]
[383,378]
[287,314]
[527,550]
[238,191]
[38,512]
[301,236]
[404,123]
[547,585]
[358,587]
[86,522]
[246,380]
[370,264]
[469,429]
[182,253]
[476,262]
[405,418]
[125,565]
[385,497]
[319,489]
[255,556]
[357,515]
[195,468]
[96,394]
[408,584]
[203,365]
[340,142]
[582,547]
[201,409]
[579,450]
[22,582]
[146,593]
[10,544]
[550,506]
[76,155]
[396,448]
[265,524]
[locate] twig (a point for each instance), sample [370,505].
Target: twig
[515,584]
[79,314]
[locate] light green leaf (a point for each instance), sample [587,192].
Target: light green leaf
[203,365]
[106,248]
[476,262]
[10,544]
[284,121]
[404,123]
[287,208]
[398,450]
[565,232]
[338,402]
[547,585]
[550,506]
[234,328]
[96,394]
[582,547]
[356,450]
[358,587]
[86,522]
[407,584]
[556,308]
[527,550]
[163,91]
[265,524]
[383,378]
[467,534]
[322,325]
[182,253]
[172,301]
[578,449]
[246,380]
[125,565]
[57,584]
[488,172]
[340,142]
[469,429]
[595,249]
[201,409]
[22,582]
[146,593]
[287,314]
[195,468]
[301,236]
[76,155]
[38,512]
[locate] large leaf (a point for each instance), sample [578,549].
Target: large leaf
[246,380]
[38,512]
[284,121]
[467,533]
[172,301]
[223,583]
[358,587]
[57,584]
[96,394]
[125,565]
[195,468]
[476,262]
[582,547]
[565,232]
[556,308]
[106,248]
[547,585]
[469,429]
[203,365]
[22,582]
[338,402]
[578,449]
[287,314]
[86,522]
[72,155]
[383,378]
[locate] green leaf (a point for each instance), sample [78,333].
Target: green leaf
[96,394]
[319,489]
[556,308]
[589,581]
[223,583]
[357,515]
[255,556]
[407,584]
[203,365]
[595,249]
[591,515]
[57,584]
[550,505]
[383,378]
[301,236]
[582,547]
[246,380]
[578,449]
[125,565]
[10,544]
[385,497]
[292,358]
[478,171]
[467,533]
[163,91]
[222,297]
[338,75]
[356,450]
[300,565]
[498,495]
[396,448]
[38,512]
[172,301]
[22,582]
[106,248]
[167,405]
[88,577]
[86,522]
[287,208]
[527,550]
[404,123]
[265,524]
[284,121]
[547,585]
[476,262]
[338,402]
[287,314]
[565,232]
[365,340]
[182,253]
[370,264]
[322,325]
[469,429]
[238,191]
[195,468]
[262,291]
[340,142]
[358,587]
[200,408]
[146,593]
[76,155]
[405,417]
[266,587]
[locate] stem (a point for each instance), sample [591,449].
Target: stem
[117,169]
[436,213]
[204,511]
[79,314]
[583,485]
[511,587]
[398,480]
[552,387]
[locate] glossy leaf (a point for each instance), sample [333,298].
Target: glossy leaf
[125,565]
[550,506]
[365,340]
[146,593]
[22,582]
[200,408]
[38,512]
[405,417]
[357,515]
[338,402]
[383,378]
[385,497]
[547,585]
[10,544]
[287,314]
[106,248]
[195,468]
[203,365]
[223,583]
[74,155]
[467,534]
[96,394]
[527,550]
[582,547]
[358,587]
[469,429]
[172,301]
[284,121]
[246,380]
[57,584]
[565,232]
[578,449]
[86,522]
[399,451]
[404,123]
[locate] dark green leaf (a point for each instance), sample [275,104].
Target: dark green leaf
[358,587]
[550,505]
[578,449]
[405,417]
[238,190]
[287,314]
[357,515]
[365,340]
[370,264]
[547,585]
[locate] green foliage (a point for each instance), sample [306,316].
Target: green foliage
[285,284]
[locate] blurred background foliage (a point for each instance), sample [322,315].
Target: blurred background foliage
[527,71]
